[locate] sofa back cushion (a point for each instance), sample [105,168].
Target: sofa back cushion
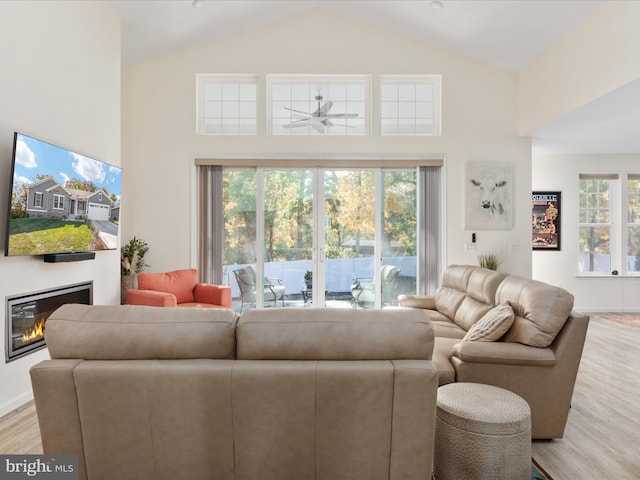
[337,334]
[541,310]
[179,282]
[467,293]
[132,332]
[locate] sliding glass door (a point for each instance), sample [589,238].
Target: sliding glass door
[320,237]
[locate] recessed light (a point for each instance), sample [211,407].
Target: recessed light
[436,5]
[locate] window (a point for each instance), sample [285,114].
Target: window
[595,224]
[410,105]
[609,223]
[318,105]
[227,104]
[328,222]
[58,202]
[37,199]
[633,223]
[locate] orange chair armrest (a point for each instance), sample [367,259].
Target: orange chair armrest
[151,298]
[212,294]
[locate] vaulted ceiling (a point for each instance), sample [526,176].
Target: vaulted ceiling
[507,33]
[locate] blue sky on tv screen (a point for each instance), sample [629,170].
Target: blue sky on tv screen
[34,157]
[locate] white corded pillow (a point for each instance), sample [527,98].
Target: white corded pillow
[493,325]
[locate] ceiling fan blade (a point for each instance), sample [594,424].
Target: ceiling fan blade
[300,123]
[342,115]
[297,111]
[318,127]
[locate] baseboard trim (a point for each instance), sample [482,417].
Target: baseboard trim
[16,402]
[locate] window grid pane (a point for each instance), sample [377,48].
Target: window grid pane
[228,105]
[408,106]
[319,106]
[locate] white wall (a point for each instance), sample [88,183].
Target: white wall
[599,293]
[60,83]
[159,143]
[594,59]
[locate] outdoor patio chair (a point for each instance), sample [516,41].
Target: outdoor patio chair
[363,291]
[274,289]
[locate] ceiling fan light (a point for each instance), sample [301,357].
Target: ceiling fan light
[436,5]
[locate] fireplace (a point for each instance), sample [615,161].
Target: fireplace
[27,314]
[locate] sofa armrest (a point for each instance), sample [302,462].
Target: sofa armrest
[417,301]
[212,294]
[151,298]
[504,353]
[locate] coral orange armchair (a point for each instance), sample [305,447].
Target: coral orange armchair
[179,288]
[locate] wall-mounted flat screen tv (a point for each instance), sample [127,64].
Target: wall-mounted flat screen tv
[60,201]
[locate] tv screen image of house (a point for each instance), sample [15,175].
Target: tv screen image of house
[60,201]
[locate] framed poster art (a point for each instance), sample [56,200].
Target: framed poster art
[545,220]
[489,195]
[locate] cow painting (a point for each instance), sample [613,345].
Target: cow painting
[488,201]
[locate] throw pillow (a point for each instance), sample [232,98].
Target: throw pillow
[493,325]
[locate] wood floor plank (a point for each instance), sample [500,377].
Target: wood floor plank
[603,428]
[19,431]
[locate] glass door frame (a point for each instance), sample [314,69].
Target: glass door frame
[207,251]
[319,229]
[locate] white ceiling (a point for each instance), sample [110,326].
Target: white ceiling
[506,33]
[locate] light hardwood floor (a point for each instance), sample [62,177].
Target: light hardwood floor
[602,434]
[603,431]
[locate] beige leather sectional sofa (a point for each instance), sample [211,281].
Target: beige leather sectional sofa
[538,356]
[171,393]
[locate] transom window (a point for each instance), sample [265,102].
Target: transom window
[410,105]
[227,104]
[318,105]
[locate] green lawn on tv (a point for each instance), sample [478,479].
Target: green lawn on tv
[47,235]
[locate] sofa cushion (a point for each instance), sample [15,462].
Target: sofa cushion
[442,350]
[417,301]
[443,327]
[133,332]
[467,293]
[493,325]
[339,334]
[179,282]
[541,310]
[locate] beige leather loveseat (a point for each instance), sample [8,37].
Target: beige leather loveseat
[169,393]
[535,353]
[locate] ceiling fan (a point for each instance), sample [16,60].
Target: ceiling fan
[320,118]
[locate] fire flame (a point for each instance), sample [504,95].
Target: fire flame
[34,333]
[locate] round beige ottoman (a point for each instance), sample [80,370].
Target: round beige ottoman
[482,432]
